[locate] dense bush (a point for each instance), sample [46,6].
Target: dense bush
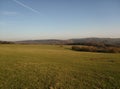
[84,48]
[6,42]
[96,49]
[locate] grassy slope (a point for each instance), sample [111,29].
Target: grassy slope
[55,67]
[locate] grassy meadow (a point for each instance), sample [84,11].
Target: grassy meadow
[56,67]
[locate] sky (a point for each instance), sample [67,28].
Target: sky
[59,19]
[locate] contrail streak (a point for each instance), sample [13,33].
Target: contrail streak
[23,5]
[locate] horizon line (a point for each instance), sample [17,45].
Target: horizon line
[63,39]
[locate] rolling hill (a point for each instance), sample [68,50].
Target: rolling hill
[81,41]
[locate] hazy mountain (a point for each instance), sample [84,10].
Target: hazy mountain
[106,41]
[81,41]
[47,41]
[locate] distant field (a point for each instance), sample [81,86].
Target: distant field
[56,67]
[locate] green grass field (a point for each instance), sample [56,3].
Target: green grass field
[55,67]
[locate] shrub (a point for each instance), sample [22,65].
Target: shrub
[96,49]
[84,48]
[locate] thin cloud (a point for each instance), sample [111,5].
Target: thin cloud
[8,13]
[26,6]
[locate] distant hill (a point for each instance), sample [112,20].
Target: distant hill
[97,41]
[48,41]
[81,41]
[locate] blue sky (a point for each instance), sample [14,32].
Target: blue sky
[59,19]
